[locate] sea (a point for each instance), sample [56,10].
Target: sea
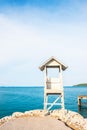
[21,99]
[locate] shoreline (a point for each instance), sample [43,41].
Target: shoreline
[71,119]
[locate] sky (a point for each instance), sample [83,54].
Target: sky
[31,31]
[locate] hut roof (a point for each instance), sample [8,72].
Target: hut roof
[51,60]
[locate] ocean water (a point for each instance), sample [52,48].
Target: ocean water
[13,99]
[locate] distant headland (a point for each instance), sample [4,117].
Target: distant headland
[82,84]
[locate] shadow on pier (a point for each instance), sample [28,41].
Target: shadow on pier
[82,111]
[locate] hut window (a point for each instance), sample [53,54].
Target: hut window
[53,72]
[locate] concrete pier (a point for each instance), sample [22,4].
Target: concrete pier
[81,97]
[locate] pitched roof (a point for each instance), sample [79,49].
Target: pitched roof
[51,59]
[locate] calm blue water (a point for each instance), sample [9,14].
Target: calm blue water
[21,99]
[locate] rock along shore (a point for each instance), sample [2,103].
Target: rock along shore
[72,119]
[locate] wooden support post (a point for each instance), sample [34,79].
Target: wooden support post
[79,102]
[62,100]
[45,87]
[45,101]
[62,94]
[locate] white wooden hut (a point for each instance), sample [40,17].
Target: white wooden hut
[53,85]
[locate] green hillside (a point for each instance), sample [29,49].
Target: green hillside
[82,84]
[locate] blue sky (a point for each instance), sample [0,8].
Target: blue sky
[31,31]
[37,2]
